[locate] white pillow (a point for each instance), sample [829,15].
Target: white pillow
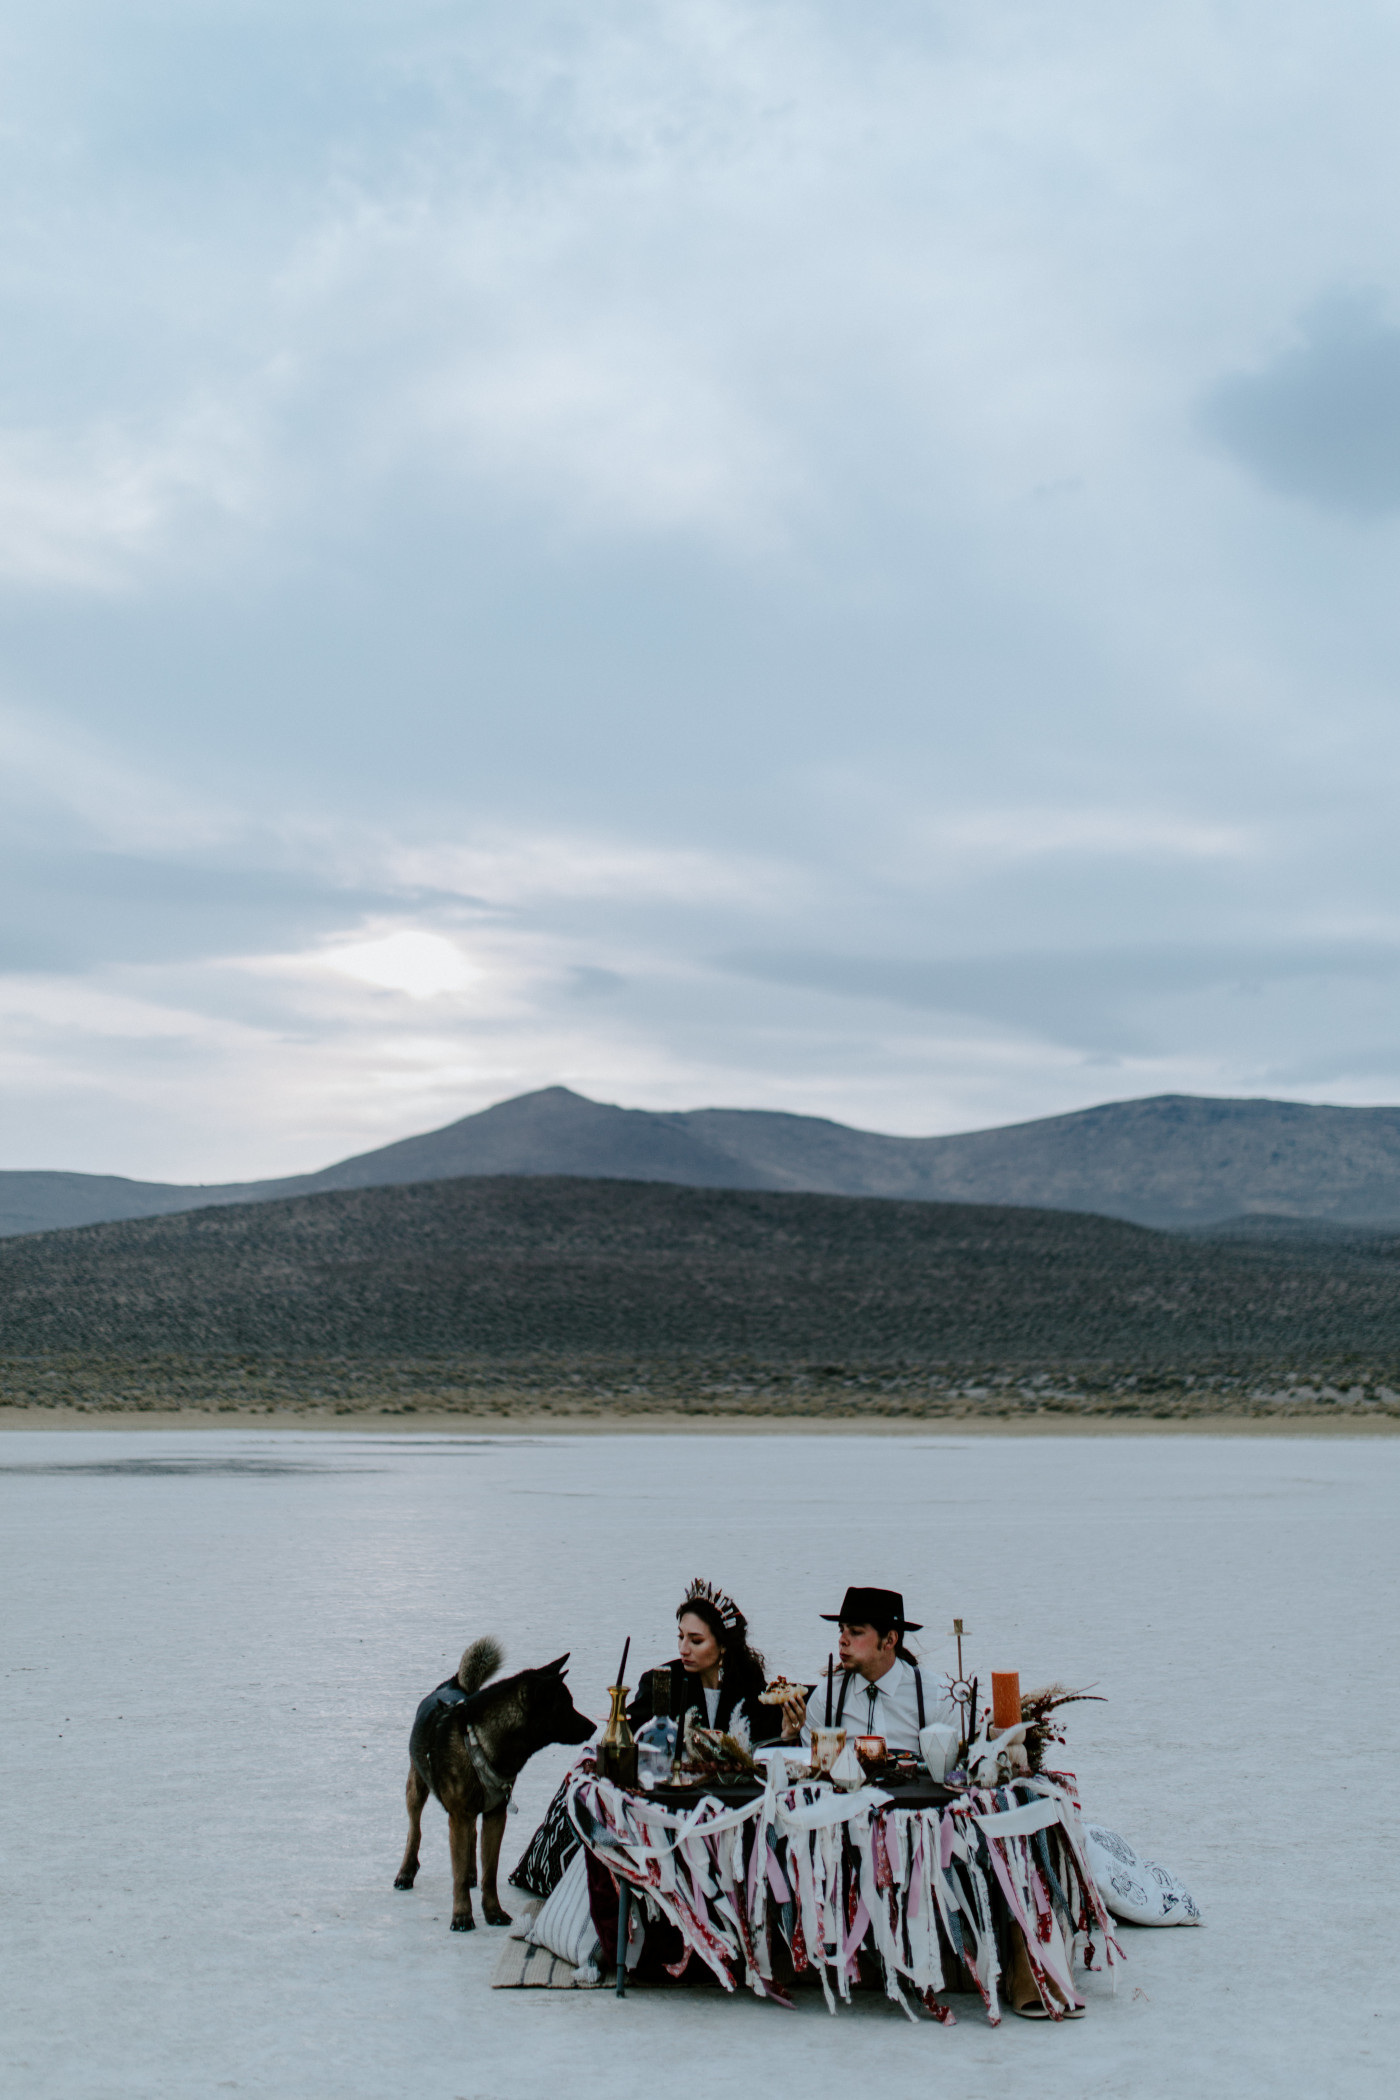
[1135,1888]
[565,1928]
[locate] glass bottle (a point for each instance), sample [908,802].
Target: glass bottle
[656,1742]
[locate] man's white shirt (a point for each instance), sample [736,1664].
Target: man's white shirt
[889,1707]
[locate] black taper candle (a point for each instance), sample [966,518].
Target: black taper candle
[622,1666]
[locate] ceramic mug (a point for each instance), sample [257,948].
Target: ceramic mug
[870,1749]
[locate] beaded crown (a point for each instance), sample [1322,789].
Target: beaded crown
[726,1607]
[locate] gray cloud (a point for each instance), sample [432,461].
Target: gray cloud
[519,502]
[1322,422]
[1365,1063]
[586,981]
[1094,1000]
[81,909]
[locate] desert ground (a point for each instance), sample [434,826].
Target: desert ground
[535,1416]
[215,1638]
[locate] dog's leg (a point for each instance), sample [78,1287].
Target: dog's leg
[416,1794]
[492,1831]
[461,1831]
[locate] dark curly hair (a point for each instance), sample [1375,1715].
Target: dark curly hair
[742,1669]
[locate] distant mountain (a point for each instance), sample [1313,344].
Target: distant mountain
[551,1132]
[514,1269]
[1175,1160]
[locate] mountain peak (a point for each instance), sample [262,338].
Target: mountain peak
[1165,1159]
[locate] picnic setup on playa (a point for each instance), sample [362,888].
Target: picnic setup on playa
[877,1828]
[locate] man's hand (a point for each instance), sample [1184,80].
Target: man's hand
[794,1715]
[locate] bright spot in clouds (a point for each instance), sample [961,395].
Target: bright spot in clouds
[421,964]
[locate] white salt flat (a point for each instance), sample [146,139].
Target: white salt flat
[209,1678]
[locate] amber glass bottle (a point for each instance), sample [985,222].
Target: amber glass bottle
[617,1752]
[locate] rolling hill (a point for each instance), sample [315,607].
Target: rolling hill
[505,1268]
[1173,1160]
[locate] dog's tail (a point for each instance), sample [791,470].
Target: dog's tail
[480,1661]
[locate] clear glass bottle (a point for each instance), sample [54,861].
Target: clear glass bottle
[656,1739]
[656,1751]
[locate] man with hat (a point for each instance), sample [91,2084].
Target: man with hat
[881,1690]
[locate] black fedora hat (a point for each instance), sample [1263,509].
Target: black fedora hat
[873,1607]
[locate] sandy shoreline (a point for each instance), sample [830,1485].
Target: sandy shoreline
[541,1422]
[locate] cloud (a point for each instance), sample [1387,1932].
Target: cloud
[1322,421]
[532,867]
[424,965]
[1129,1001]
[1009,835]
[587,981]
[1361,1065]
[90,510]
[616,428]
[59,775]
[501,508]
[77,908]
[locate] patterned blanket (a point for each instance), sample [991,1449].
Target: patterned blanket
[834,1874]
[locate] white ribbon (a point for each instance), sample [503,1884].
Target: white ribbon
[1020,1822]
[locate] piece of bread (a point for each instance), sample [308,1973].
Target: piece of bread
[780,1691]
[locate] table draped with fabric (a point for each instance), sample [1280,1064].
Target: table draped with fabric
[932,1898]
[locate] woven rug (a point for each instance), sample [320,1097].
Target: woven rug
[526,1968]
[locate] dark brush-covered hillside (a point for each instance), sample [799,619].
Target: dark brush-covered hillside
[514,1268]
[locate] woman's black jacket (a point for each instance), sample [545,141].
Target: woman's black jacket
[765,1722]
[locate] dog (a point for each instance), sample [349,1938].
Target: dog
[471,1739]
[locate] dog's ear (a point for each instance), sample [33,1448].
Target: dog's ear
[557,1664]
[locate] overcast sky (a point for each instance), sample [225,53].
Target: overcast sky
[839,557]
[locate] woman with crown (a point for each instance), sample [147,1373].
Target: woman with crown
[716,1671]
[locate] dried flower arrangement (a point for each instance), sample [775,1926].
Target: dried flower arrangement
[714,1752]
[1038,1711]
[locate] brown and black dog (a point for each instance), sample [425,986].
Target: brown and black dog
[470,1739]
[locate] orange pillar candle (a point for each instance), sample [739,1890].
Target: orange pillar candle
[1006,1698]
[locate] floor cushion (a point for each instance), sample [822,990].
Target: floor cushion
[1134,1888]
[564,1926]
[549,1851]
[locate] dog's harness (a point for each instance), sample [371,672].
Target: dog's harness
[493,1786]
[439,1711]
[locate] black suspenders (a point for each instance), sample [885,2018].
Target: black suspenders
[846,1677]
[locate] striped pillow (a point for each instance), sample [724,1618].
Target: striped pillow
[565,1928]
